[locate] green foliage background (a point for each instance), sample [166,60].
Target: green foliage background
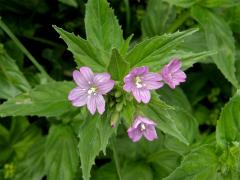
[43,137]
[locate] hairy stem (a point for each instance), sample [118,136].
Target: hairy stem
[116,160]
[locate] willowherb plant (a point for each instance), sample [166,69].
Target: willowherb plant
[119,101]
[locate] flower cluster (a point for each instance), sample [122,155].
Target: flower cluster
[139,82]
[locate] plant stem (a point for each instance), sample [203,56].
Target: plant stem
[128,16]
[178,22]
[116,160]
[23,49]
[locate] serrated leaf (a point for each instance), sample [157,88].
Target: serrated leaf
[84,53]
[228,125]
[200,163]
[117,67]
[164,162]
[220,39]
[182,3]
[12,80]
[157,19]
[102,26]
[94,135]
[35,159]
[44,100]
[153,49]
[61,153]
[175,122]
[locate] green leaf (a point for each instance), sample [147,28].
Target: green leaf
[83,52]
[72,3]
[107,171]
[35,159]
[164,162]
[44,100]
[228,125]
[117,67]
[94,135]
[175,122]
[102,26]
[157,19]
[219,38]
[182,3]
[12,81]
[175,98]
[152,50]
[128,113]
[61,153]
[136,170]
[25,140]
[219,3]
[200,163]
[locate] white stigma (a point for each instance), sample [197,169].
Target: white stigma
[138,82]
[143,127]
[92,90]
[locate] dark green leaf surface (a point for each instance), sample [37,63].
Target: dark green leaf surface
[44,100]
[157,19]
[94,135]
[83,52]
[12,80]
[61,153]
[219,38]
[102,26]
[228,125]
[152,50]
[34,159]
[117,67]
[200,163]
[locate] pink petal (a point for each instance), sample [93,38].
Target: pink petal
[152,77]
[137,121]
[87,74]
[147,121]
[135,134]
[76,93]
[136,94]
[174,65]
[150,133]
[153,84]
[145,95]
[79,79]
[128,86]
[91,104]
[101,77]
[105,87]
[139,70]
[80,101]
[100,102]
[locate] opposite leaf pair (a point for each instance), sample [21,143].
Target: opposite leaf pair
[92,87]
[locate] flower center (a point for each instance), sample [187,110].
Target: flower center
[138,82]
[143,127]
[92,90]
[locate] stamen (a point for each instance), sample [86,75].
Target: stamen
[143,127]
[138,82]
[92,90]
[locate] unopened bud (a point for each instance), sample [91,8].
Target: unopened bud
[114,119]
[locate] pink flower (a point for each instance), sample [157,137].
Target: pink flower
[140,81]
[90,89]
[172,74]
[142,126]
